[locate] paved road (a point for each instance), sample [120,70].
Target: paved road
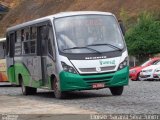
[139,97]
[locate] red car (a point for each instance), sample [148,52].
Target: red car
[134,71]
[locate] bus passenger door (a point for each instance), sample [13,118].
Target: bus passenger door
[42,50]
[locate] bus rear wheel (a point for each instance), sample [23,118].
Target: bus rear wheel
[27,90]
[116,90]
[57,92]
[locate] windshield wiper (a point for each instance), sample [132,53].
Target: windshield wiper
[83,47]
[107,44]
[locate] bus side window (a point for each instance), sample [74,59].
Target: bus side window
[33,38]
[1,51]
[11,44]
[18,46]
[22,35]
[26,44]
[7,46]
[4,49]
[29,38]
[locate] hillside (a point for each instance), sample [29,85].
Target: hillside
[10,3]
[24,10]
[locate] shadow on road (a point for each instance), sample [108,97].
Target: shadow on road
[73,95]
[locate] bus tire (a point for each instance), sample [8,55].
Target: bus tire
[27,90]
[57,92]
[116,90]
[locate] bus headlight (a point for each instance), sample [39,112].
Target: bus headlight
[123,64]
[68,68]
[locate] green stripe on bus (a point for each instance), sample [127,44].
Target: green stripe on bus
[70,81]
[21,69]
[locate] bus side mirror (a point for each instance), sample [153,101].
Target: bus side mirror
[121,24]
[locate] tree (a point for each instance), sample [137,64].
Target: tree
[143,39]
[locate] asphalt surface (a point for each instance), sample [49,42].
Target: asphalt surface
[140,97]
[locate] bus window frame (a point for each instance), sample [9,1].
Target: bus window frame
[22,41]
[29,40]
[47,23]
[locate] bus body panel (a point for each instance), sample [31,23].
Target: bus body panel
[3,68]
[93,63]
[70,81]
[29,68]
[81,81]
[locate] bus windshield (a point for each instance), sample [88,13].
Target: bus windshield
[81,33]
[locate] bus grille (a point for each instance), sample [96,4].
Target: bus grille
[87,70]
[98,80]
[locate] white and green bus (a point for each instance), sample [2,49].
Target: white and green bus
[68,51]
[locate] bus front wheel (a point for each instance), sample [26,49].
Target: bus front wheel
[116,90]
[58,94]
[27,90]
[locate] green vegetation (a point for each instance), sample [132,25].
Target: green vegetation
[143,39]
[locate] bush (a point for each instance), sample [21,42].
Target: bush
[144,38]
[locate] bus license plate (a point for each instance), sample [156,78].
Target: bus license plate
[98,85]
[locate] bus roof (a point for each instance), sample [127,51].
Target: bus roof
[2,39]
[58,15]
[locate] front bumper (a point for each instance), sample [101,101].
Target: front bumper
[145,76]
[71,82]
[133,76]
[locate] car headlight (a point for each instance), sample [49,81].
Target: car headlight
[150,70]
[123,64]
[68,68]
